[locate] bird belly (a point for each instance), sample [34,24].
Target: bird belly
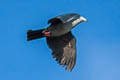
[61,29]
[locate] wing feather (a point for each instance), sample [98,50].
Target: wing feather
[63,18]
[64,50]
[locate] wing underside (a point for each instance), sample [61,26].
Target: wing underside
[63,50]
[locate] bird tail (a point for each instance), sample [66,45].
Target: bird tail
[34,34]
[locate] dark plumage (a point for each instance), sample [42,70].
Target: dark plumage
[59,38]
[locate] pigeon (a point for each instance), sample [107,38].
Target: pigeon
[59,38]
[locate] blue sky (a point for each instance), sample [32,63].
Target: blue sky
[98,41]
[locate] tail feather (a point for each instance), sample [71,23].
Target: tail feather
[34,34]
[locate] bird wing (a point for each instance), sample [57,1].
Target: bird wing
[64,50]
[63,18]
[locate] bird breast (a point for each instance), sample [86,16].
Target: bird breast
[60,29]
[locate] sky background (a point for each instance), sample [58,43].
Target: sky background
[98,41]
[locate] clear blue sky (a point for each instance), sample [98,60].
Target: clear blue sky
[98,41]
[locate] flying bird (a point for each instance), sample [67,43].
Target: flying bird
[60,38]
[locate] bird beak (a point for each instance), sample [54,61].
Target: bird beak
[83,19]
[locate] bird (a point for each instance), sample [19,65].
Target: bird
[59,38]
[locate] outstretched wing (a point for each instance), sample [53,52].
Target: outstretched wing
[64,50]
[64,18]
